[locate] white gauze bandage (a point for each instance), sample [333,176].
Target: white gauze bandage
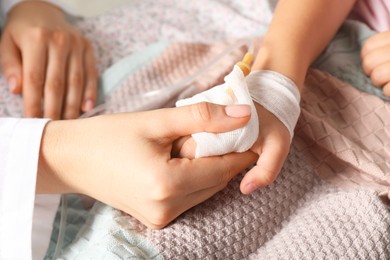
[233,91]
[276,93]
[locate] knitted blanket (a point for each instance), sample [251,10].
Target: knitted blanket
[331,199]
[342,135]
[329,202]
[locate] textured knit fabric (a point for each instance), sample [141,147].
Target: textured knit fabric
[324,204]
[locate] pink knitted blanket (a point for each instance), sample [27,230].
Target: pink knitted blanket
[331,198]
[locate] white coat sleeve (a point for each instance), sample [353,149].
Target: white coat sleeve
[20,141]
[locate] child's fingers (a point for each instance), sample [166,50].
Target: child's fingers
[377,41]
[375,58]
[386,90]
[380,75]
[190,176]
[271,158]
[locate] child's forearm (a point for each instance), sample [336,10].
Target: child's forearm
[298,33]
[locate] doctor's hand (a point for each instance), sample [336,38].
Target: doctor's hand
[125,160]
[48,61]
[376,60]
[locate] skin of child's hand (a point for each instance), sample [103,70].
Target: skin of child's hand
[272,147]
[48,61]
[376,60]
[124,160]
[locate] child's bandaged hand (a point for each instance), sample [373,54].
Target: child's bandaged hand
[234,91]
[277,102]
[277,106]
[376,60]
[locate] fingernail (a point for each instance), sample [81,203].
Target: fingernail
[12,83]
[238,110]
[88,105]
[250,187]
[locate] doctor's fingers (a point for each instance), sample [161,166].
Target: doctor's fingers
[81,79]
[34,50]
[173,123]
[193,175]
[91,76]
[163,212]
[11,62]
[54,88]
[190,183]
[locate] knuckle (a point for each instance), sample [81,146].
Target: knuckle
[36,78]
[367,64]
[9,61]
[160,218]
[162,192]
[71,112]
[77,43]
[60,38]
[38,34]
[376,76]
[370,44]
[201,112]
[76,79]
[87,44]
[52,114]
[386,90]
[32,110]
[161,187]
[56,85]
[268,177]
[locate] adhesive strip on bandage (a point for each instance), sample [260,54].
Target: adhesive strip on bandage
[233,91]
[276,93]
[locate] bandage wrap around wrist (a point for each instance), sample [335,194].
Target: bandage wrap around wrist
[276,93]
[233,91]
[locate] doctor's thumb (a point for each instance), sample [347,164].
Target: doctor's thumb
[213,118]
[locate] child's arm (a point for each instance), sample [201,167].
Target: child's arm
[376,60]
[298,33]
